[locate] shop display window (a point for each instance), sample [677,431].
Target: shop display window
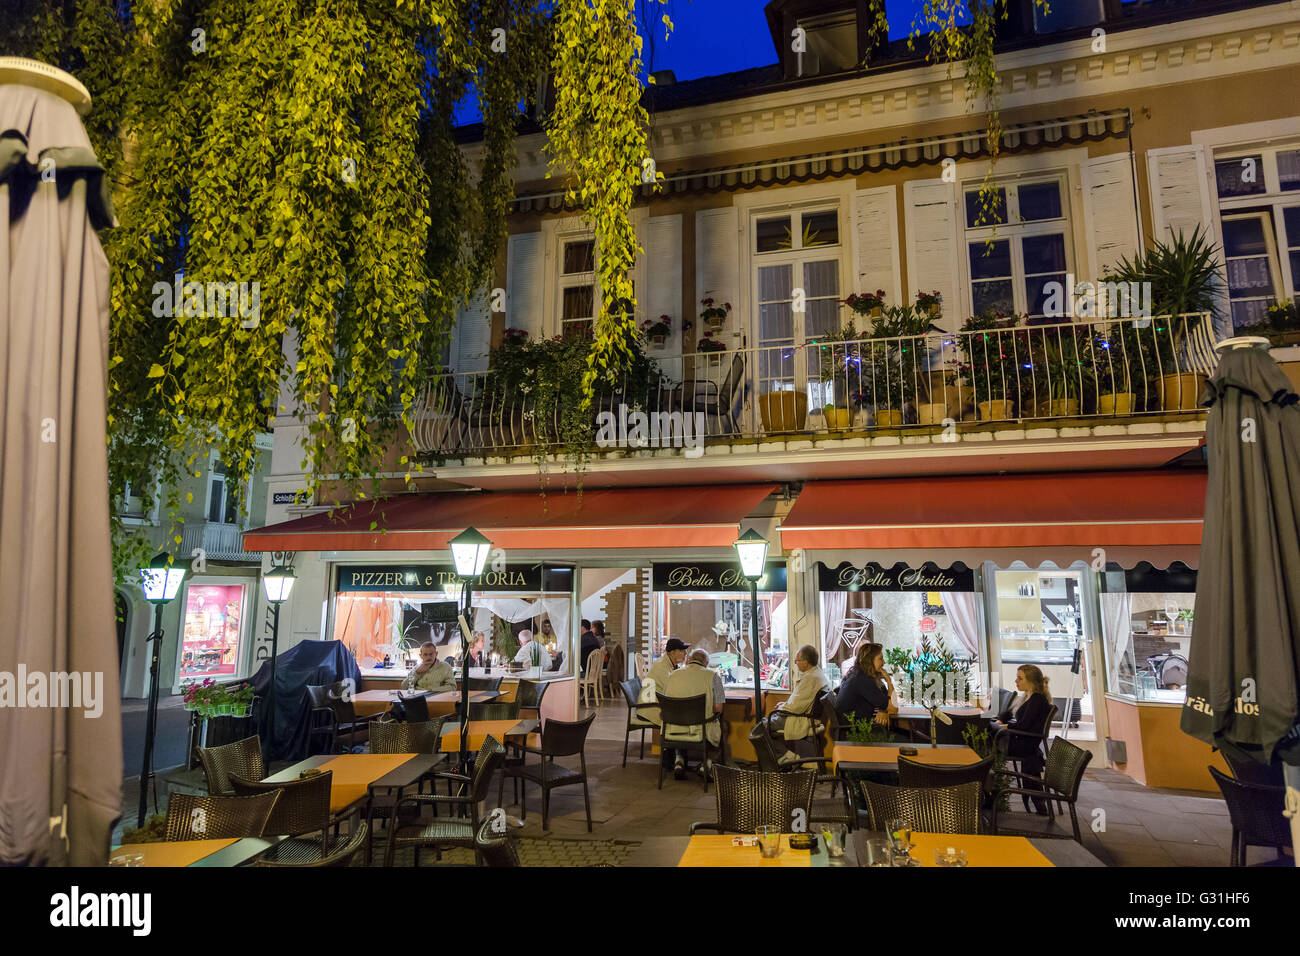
[213,628]
[720,623]
[1148,616]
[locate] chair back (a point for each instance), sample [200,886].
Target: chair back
[414,708]
[495,849]
[564,738]
[406,737]
[748,800]
[631,691]
[1063,771]
[485,683]
[953,733]
[303,807]
[595,665]
[769,755]
[913,774]
[530,694]
[1255,810]
[1246,770]
[638,666]
[494,710]
[191,817]
[685,715]
[488,761]
[928,809]
[243,757]
[735,373]
[330,697]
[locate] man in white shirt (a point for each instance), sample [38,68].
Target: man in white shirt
[430,674]
[809,681]
[696,680]
[656,682]
[528,647]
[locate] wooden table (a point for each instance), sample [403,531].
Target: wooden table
[884,757]
[228,852]
[445,702]
[716,850]
[520,731]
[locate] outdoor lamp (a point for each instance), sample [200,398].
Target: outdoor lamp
[469,552]
[161,580]
[751,547]
[277,583]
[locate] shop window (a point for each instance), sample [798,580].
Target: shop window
[1016,244]
[1148,618]
[213,628]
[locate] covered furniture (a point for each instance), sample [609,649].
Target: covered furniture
[307,664]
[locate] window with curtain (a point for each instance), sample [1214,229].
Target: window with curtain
[1017,245]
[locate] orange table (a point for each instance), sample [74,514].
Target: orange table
[370,702]
[884,757]
[716,849]
[354,773]
[520,731]
[980,850]
[175,853]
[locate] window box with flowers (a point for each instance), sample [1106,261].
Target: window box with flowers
[657,331]
[930,303]
[708,343]
[714,316]
[867,303]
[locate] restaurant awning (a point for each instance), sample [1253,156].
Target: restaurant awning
[689,516]
[1086,510]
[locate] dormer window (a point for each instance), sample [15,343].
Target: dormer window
[832,43]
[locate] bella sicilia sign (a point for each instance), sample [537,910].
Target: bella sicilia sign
[901,577]
[713,576]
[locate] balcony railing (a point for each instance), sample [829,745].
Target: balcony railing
[1093,370]
[219,541]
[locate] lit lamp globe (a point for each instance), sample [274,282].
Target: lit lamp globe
[277,583]
[451,590]
[469,552]
[161,580]
[751,548]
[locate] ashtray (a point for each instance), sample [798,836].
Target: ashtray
[310,772]
[907,751]
[803,841]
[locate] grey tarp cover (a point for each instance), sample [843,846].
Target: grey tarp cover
[60,767]
[1242,680]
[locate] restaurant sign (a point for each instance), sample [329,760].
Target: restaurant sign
[432,577]
[714,576]
[901,577]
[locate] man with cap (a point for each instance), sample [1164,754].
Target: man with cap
[656,681]
[528,647]
[696,680]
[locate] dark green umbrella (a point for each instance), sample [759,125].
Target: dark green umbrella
[1242,677]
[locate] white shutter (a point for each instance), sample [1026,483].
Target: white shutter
[660,289]
[1180,191]
[1110,211]
[933,249]
[473,338]
[717,266]
[525,264]
[876,241]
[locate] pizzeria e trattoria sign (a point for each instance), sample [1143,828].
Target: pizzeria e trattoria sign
[429,577]
[901,577]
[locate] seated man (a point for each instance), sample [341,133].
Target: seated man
[656,682]
[430,674]
[809,681]
[589,643]
[531,652]
[695,680]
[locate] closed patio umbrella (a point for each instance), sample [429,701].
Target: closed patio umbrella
[1242,678]
[61,739]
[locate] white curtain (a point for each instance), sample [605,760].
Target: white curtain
[834,605]
[1116,618]
[514,610]
[963,613]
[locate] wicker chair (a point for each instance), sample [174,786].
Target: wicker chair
[333,717]
[687,716]
[450,832]
[495,710]
[485,683]
[341,856]
[928,810]
[836,809]
[191,817]
[406,737]
[1246,770]
[1256,814]
[529,697]
[493,849]
[414,709]
[632,693]
[560,738]
[303,807]
[1060,781]
[748,800]
[243,757]
[912,773]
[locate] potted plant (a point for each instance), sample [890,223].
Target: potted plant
[990,365]
[1281,326]
[708,343]
[898,358]
[241,699]
[930,303]
[714,316]
[657,332]
[783,410]
[1067,377]
[221,701]
[1104,354]
[867,303]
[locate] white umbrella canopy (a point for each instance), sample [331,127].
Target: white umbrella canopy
[60,725]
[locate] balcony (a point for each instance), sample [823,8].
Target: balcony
[1008,397]
[219,541]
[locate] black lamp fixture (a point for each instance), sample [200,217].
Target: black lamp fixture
[160,581]
[751,549]
[469,553]
[276,584]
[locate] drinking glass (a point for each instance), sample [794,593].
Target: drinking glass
[835,834]
[877,852]
[769,842]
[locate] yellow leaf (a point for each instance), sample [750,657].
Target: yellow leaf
[156,371]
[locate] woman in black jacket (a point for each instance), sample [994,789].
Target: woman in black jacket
[866,690]
[1029,718]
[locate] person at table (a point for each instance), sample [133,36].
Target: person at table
[528,647]
[599,628]
[476,656]
[1030,716]
[589,643]
[656,682]
[430,674]
[694,679]
[809,681]
[867,691]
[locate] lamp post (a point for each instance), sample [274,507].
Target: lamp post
[276,583]
[160,581]
[751,548]
[469,553]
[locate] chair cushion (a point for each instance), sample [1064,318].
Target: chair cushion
[636,721]
[440,831]
[557,775]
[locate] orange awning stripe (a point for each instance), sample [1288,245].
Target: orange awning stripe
[689,516]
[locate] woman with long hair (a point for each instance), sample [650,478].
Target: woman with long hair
[866,691]
[1028,720]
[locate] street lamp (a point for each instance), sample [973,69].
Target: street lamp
[751,549]
[160,581]
[276,583]
[469,553]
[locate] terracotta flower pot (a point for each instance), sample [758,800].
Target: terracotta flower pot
[998,409]
[1117,403]
[931,414]
[1181,392]
[837,419]
[783,411]
[889,418]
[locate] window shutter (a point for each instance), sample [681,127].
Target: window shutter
[524,283]
[717,267]
[660,288]
[473,335]
[1110,210]
[875,223]
[933,250]
[1180,191]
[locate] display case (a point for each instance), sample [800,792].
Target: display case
[1148,618]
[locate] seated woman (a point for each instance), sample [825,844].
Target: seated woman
[867,690]
[1029,716]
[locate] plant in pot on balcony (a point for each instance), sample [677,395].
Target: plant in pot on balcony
[839,373]
[1281,325]
[899,356]
[1063,377]
[866,304]
[714,316]
[930,304]
[240,700]
[657,331]
[1110,356]
[708,343]
[992,348]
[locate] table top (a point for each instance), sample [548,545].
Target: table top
[228,852]
[454,696]
[481,729]
[356,775]
[717,850]
[884,756]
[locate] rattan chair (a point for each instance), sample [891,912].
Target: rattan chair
[837,809]
[748,800]
[243,757]
[560,738]
[495,849]
[415,709]
[485,683]
[1256,814]
[341,856]
[1246,770]
[444,833]
[191,817]
[688,717]
[406,737]
[912,773]
[303,807]
[333,717]
[529,697]
[928,809]
[632,693]
[495,710]
[1060,781]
